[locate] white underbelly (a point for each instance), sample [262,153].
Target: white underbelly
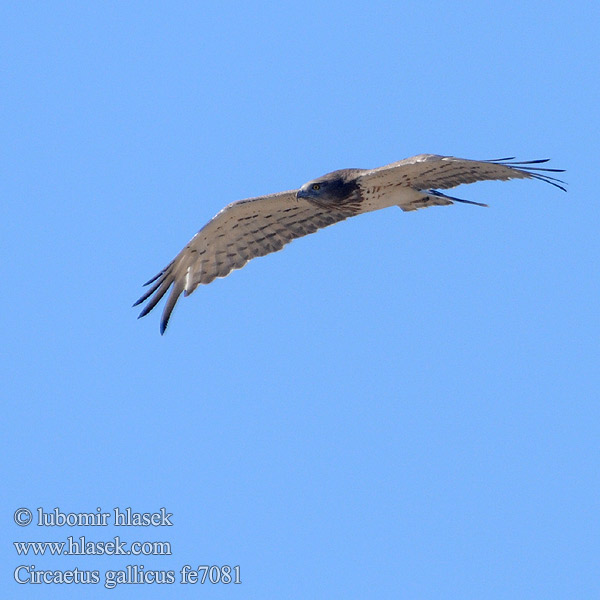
[383,198]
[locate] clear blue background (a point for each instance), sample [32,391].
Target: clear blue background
[403,405]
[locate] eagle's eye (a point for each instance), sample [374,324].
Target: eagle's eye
[316,186]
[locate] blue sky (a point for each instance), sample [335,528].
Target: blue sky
[403,405]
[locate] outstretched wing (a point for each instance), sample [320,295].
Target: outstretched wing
[242,231]
[431,171]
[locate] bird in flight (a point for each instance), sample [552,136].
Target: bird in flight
[254,227]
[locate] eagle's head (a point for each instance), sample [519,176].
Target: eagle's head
[334,190]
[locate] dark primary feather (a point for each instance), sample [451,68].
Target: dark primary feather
[454,198]
[535,172]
